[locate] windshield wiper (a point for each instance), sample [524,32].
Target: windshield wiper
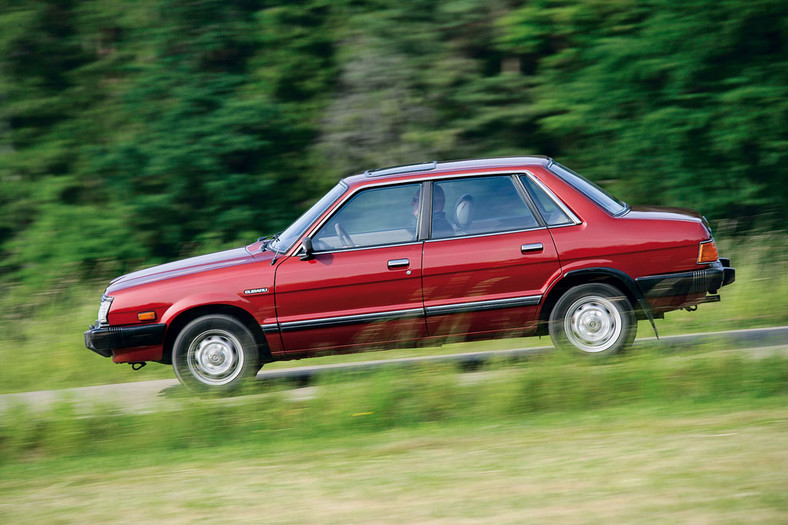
[267,246]
[267,240]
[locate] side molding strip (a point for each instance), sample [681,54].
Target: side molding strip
[411,313]
[477,306]
[344,320]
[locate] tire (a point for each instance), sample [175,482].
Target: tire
[594,319]
[215,353]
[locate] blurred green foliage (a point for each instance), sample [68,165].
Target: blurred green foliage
[133,132]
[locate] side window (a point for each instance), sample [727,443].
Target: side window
[473,206]
[373,217]
[550,211]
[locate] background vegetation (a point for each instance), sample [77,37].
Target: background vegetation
[134,132]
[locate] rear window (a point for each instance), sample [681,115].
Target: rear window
[613,206]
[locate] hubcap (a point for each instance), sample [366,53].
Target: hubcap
[215,357]
[593,324]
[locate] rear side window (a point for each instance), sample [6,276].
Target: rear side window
[478,205]
[552,214]
[613,206]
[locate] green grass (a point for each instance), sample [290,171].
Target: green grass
[653,436]
[41,342]
[722,463]
[360,403]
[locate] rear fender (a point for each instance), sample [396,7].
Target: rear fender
[626,283]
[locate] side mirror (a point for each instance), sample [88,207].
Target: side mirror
[306,249]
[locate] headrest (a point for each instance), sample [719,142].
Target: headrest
[463,210]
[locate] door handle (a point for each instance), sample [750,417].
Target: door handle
[398,263]
[531,248]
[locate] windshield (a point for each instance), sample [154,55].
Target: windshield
[613,206]
[285,240]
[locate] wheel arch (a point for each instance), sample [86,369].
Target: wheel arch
[610,276]
[182,319]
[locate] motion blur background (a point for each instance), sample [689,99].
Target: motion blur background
[135,132]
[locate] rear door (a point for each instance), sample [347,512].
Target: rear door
[489,259]
[363,285]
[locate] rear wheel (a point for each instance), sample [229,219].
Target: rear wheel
[215,353]
[595,319]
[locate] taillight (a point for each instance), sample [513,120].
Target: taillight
[707,252]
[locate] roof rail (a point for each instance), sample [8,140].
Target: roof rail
[424,166]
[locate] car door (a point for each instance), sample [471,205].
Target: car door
[489,259]
[362,284]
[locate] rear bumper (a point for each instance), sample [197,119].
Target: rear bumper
[710,280]
[104,341]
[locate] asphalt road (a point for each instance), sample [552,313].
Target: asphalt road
[148,396]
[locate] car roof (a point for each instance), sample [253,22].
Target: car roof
[429,169]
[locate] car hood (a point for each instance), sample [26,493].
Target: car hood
[201,263]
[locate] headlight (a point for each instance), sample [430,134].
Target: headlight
[106,302]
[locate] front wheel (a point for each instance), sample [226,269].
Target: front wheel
[215,353]
[595,319]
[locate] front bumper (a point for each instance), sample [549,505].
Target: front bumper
[710,280]
[104,340]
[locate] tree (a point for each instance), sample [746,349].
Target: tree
[687,102]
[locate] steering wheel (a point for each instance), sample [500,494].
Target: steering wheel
[344,237]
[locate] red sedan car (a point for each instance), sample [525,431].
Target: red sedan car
[470,249]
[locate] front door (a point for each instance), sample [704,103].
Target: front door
[362,287]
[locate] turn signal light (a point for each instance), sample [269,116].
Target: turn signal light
[146,316]
[707,252]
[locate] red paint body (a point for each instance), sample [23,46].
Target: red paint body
[487,268]
[449,287]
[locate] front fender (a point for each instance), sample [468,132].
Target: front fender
[208,299]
